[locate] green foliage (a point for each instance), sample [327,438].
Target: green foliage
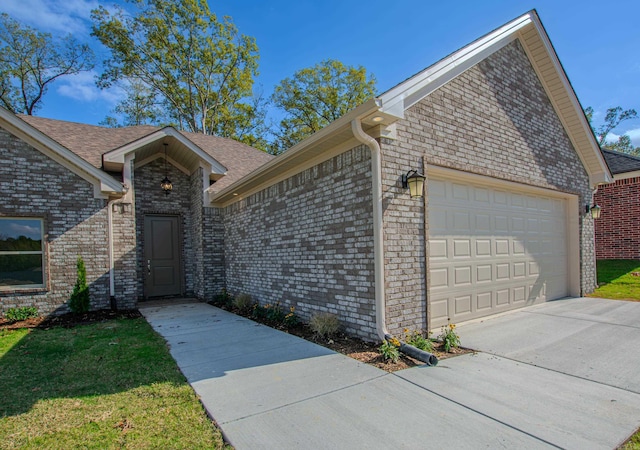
[104,385]
[449,337]
[324,324]
[390,350]
[22,313]
[417,339]
[274,315]
[31,61]
[186,62]
[618,279]
[613,118]
[243,302]
[316,96]
[80,301]
[222,299]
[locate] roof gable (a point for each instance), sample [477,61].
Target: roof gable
[529,30]
[103,183]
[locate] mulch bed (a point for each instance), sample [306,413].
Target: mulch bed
[366,352]
[69,320]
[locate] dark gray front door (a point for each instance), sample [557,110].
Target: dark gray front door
[162,256]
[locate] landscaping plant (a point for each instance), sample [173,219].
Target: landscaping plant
[324,324]
[449,337]
[79,301]
[417,339]
[390,350]
[22,313]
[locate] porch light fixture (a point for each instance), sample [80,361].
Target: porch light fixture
[594,210]
[414,181]
[165,184]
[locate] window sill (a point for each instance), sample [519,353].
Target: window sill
[7,290]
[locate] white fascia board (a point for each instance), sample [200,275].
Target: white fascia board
[103,183]
[626,175]
[601,174]
[398,99]
[117,155]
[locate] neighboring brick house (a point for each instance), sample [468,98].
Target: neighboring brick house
[496,128]
[617,229]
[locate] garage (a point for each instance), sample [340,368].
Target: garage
[494,247]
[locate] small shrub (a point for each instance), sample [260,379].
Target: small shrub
[417,339]
[275,314]
[389,350]
[223,298]
[291,319]
[324,324]
[22,313]
[79,301]
[243,302]
[449,337]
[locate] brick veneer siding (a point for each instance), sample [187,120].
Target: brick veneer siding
[496,120]
[150,199]
[617,230]
[75,223]
[307,242]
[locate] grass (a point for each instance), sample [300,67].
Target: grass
[616,280]
[105,385]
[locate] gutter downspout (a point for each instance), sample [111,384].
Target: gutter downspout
[112,282]
[126,178]
[378,249]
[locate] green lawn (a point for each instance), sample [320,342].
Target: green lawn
[616,280]
[105,386]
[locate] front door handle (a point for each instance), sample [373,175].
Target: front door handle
[148,267]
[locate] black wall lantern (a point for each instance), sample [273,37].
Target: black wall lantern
[413,181]
[165,184]
[594,210]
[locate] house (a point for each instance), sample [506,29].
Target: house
[509,159]
[617,231]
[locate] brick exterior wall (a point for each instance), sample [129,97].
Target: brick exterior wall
[494,120]
[617,231]
[75,225]
[151,199]
[307,242]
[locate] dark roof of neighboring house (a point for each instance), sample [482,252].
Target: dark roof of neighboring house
[621,162]
[90,142]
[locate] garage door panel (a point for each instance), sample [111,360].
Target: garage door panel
[488,247]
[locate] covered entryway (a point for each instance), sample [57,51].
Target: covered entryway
[493,247]
[162,256]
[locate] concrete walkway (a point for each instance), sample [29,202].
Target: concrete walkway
[268,389]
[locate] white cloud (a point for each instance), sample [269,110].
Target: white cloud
[25,230]
[57,16]
[635,136]
[82,87]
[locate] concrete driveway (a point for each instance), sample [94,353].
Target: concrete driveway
[538,382]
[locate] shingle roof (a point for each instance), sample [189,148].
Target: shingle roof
[621,162]
[90,142]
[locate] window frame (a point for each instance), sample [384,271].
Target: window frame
[41,252]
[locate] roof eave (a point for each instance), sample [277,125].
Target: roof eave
[296,154]
[104,185]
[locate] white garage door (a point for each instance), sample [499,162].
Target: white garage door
[491,250]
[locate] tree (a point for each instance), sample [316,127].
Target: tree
[198,68]
[31,61]
[79,302]
[316,96]
[614,117]
[139,107]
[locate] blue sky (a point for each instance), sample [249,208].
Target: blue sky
[598,42]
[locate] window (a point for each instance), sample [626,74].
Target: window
[21,252]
